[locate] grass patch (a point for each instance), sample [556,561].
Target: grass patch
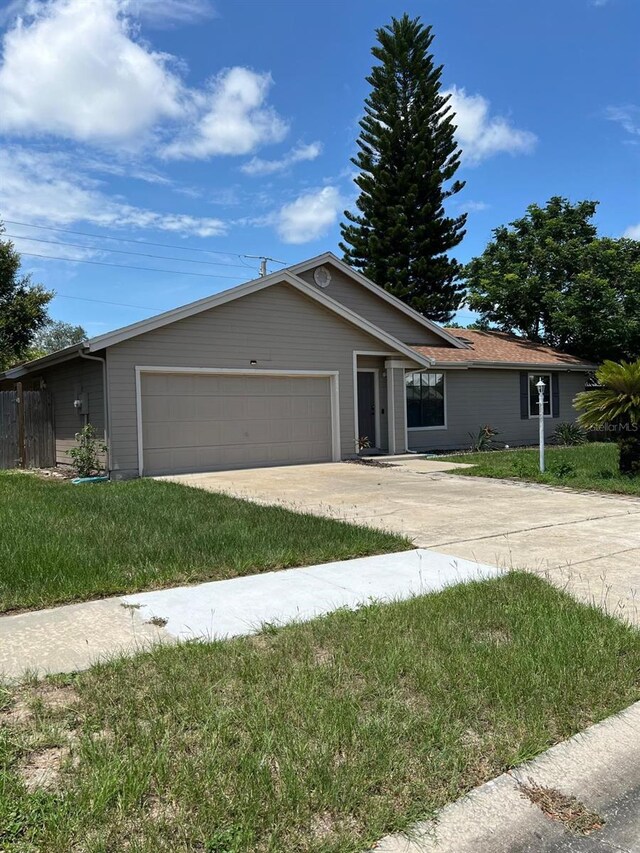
[60,542]
[589,467]
[319,737]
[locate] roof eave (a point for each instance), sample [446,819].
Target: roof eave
[46,361]
[534,365]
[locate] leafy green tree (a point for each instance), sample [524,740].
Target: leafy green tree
[615,403]
[549,277]
[23,306]
[400,235]
[56,335]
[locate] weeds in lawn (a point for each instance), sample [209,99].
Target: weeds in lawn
[320,737]
[562,470]
[60,542]
[589,466]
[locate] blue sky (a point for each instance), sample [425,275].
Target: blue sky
[229,126]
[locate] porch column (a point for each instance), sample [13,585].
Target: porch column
[396,406]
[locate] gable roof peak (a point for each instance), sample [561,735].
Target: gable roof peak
[380,292]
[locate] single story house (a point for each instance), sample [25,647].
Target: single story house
[309,364]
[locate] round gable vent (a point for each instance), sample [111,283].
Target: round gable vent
[322,277]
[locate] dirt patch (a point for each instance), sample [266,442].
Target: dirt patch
[50,697]
[494,637]
[17,714]
[322,657]
[55,697]
[40,770]
[326,824]
[61,473]
[573,814]
[163,811]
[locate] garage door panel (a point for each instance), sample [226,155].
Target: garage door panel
[196,422]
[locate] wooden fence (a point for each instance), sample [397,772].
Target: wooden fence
[27,437]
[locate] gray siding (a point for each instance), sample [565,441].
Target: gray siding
[379,312]
[279,327]
[67,382]
[478,397]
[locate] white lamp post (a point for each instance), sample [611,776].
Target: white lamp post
[541,386]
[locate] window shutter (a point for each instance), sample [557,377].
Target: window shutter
[555,395]
[524,396]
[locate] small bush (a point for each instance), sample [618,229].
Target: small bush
[569,435]
[484,439]
[85,455]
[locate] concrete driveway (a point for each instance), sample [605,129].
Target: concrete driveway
[586,542]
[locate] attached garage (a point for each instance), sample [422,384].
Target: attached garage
[197,420]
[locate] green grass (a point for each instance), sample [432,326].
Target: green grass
[589,467]
[60,542]
[319,737]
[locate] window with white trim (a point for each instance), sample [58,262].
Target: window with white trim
[426,404]
[534,378]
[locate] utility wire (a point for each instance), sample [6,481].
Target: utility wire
[124,252]
[124,239]
[127,266]
[104,302]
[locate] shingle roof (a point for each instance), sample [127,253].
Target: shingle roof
[499,348]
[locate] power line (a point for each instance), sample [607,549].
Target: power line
[124,252]
[124,239]
[104,302]
[127,266]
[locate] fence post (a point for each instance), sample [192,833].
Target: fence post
[22,450]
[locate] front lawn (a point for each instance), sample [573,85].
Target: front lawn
[590,467]
[318,737]
[60,542]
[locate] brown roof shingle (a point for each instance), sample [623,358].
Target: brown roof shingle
[499,348]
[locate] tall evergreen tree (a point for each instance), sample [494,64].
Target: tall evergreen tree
[400,235]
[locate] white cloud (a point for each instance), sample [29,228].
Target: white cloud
[171,12]
[310,216]
[628,117]
[53,189]
[233,117]
[474,206]
[257,166]
[72,68]
[78,69]
[482,135]
[633,232]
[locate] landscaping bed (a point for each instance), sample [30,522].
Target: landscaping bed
[319,737]
[60,542]
[586,467]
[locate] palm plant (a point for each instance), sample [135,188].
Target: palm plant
[615,405]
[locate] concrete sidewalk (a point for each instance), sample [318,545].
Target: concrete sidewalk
[70,638]
[600,767]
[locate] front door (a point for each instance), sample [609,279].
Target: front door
[367,409]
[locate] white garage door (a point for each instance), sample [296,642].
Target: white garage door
[208,422]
